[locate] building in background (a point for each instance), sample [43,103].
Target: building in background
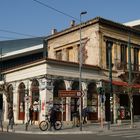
[38,68]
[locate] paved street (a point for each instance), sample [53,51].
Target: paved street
[121,135]
[90,131]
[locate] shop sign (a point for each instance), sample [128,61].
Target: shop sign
[70,93]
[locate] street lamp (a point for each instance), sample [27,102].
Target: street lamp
[109,45]
[80,68]
[130,82]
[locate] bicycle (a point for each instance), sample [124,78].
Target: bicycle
[44,125]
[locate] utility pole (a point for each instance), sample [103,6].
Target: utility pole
[80,69]
[130,82]
[109,45]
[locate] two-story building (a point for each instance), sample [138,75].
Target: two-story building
[111,54]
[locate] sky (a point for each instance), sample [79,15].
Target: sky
[34,18]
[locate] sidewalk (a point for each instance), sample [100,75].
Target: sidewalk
[93,128]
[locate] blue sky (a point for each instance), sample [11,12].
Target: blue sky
[31,18]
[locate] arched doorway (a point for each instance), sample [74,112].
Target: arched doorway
[21,91]
[57,101]
[92,102]
[35,98]
[74,101]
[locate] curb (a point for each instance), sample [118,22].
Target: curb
[54,132]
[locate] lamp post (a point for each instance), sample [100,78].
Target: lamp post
[130,82]
[80,68]
[109,45]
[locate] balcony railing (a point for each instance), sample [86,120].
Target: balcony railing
[125,66]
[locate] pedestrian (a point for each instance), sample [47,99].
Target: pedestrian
[11,118]
[53,117]
[31,111]
[84,114]
[77,116]
[1,112]
[1,119]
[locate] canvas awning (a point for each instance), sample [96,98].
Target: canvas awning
[121,83]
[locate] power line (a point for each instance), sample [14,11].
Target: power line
[6,37]
[50,7]
[13,32]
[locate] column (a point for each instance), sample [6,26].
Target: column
[68,101]
[84,88]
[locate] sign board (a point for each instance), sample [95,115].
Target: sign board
[70,93]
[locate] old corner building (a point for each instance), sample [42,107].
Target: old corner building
[34,70]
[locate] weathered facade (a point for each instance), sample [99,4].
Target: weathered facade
[57,68]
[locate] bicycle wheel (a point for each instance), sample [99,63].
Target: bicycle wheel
[43,125]
[58,125]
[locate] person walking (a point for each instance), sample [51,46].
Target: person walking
[11,118]
[31,111]
[1,112]
[53,118]
[84,114]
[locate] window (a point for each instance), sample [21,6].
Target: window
[59,55]
[136,59]
[70,54]
[124,55]
[108,49]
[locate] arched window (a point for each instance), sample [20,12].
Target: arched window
[35,98]
[10,95]
[35,90]
[21,90]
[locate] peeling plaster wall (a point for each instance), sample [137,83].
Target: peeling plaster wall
[71,39]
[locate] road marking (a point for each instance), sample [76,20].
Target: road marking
[122,134]
[132,136]
[116,132]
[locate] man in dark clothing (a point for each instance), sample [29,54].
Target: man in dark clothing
[31,111]
[11,118]
[1,112]
[84,114]
[53,117]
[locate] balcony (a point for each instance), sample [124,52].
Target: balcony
[125,67]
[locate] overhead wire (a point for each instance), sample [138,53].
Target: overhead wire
[50,7]
[7,37]
[13,32]
[29,35]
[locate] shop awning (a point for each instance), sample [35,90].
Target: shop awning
[120,83]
